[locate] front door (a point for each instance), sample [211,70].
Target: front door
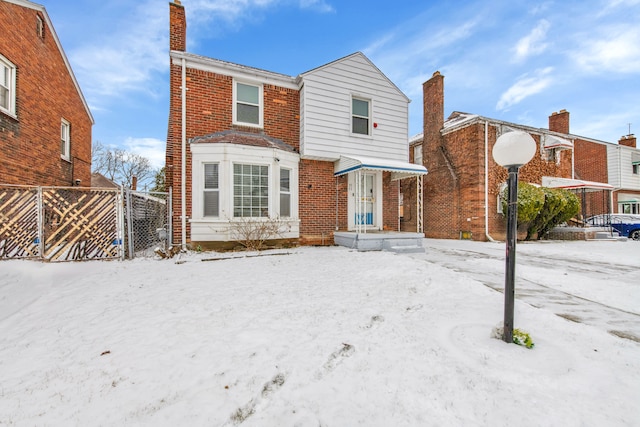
[365,200]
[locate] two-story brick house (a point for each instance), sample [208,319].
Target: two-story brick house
[462,190]
[45,122]
[320,152]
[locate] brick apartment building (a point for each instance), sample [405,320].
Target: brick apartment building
[320,152]
[461,191]
[45,122]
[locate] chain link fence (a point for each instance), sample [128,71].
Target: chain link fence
[80,224]
[147,223]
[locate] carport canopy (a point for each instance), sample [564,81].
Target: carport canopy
[574,184]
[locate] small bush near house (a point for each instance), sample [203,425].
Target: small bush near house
[530,202]
[559,206]
[253,233]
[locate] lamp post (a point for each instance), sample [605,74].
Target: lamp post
[511,151]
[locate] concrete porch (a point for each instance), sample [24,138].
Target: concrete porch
[392,241]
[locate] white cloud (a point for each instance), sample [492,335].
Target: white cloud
[151,148]
[317,5]
[616,50]
[533,43]
[124,61]
[526,86]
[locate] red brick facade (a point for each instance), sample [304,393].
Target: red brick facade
[454,189]
[322,197]
[46,94]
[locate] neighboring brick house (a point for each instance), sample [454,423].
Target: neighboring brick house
[618,164]
[248,143]
[461,192]
[45,122]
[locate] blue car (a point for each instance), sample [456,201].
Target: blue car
[626,225]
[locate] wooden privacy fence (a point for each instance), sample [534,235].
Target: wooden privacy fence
[73,224]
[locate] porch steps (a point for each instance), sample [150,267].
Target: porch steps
[403,245]
[398,242]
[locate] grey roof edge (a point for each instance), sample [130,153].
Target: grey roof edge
[278,143]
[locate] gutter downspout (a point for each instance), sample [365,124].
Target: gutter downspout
[486,181]
[183,166]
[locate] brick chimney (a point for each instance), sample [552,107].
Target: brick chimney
[628,140]
[433,108]
[559,122]
[177,26]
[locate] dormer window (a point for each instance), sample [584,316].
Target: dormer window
[247,104]
[360,116]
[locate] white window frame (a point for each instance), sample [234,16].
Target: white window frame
[282,192]
[65,140]
[368,117]
[417,154]
[209,190]
[9,86]
[260,105]
[40,26]
[267,206]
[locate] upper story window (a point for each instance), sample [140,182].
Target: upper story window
[417,154]
[360,116]
[40,27]
[635,168]
[65,140]
[247,104]
[7,86]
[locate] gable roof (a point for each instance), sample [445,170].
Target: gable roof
[346,58]
[40,8]
[100,181]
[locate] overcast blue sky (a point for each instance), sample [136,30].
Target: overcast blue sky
[512,60]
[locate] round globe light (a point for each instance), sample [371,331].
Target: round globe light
[514,149]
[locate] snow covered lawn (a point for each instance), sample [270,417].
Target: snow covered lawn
[310,337]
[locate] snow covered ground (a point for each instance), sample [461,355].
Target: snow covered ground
[324,337]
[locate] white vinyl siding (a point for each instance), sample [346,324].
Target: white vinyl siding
[326,111]
[65,140]
[620,161]
[247,104]
[7,86]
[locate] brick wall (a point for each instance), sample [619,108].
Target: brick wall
[454,189]
[45,94]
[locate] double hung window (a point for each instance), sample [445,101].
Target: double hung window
[7,86]
[285,192]
[360,114]
[211,190]
[65,140]
[247,104]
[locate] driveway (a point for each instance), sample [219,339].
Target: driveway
[575,280]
